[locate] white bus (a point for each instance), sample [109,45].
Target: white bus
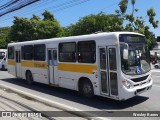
[3,60]
[114,65]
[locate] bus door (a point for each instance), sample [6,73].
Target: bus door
[112,64]
[103,71]
[108,71]
[52,66]
[18,63]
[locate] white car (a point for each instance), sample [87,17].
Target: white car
[157,65]
[3,64]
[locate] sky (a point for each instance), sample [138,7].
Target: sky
[70,11]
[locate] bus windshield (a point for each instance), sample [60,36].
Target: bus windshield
[134,55]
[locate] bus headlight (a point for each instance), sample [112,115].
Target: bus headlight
[127,84]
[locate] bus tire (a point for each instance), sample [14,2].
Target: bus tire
[3,68]
[29,77]
[86,88]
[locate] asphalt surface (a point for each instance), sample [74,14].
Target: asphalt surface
[71,100]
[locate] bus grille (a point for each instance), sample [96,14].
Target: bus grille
[140,90]
[140,79]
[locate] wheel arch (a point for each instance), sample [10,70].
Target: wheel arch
[80,82]
[30,72]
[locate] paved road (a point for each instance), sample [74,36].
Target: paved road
[148,101]
[15,106]
[19,106]
[15,110]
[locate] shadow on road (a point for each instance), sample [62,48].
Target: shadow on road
[96,102]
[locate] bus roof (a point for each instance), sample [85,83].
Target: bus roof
[75,38]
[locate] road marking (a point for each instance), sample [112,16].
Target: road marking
[156,85]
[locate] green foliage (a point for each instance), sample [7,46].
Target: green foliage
[4,37]
[93,23]
[47,29]
[25,29]
[133,2]
[123,6]
[151,14]
[34,17]
[48,16]
[137,24]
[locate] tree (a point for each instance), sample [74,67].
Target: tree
[25,29]
[48,16]
[4,37]
[137,23]
[48,29]
[93,23]
[34,17]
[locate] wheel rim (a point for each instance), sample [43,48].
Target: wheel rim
[87,89]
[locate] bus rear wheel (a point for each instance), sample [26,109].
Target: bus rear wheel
[87,88]
[29,77]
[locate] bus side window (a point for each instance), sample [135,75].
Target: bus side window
[10,52]
[39,52]
[28,52]
[87,52]
[55,57]
[112,57]
[67,52]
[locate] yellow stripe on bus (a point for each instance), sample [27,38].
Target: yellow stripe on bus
[77,68]
[11,62]
[80,68]
[34,64]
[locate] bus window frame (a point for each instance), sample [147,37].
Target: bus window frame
[75,52]
[78,51]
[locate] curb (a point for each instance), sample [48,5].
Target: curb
[58,105]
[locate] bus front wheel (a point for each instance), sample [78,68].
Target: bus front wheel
[29,77]
[87,88]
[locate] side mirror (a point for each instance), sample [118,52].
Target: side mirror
[125,54]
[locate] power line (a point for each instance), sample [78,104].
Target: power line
[15,5]
[102,9]
[57,8]
[8,4]
[31,7]
[53,7]
[65,7]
